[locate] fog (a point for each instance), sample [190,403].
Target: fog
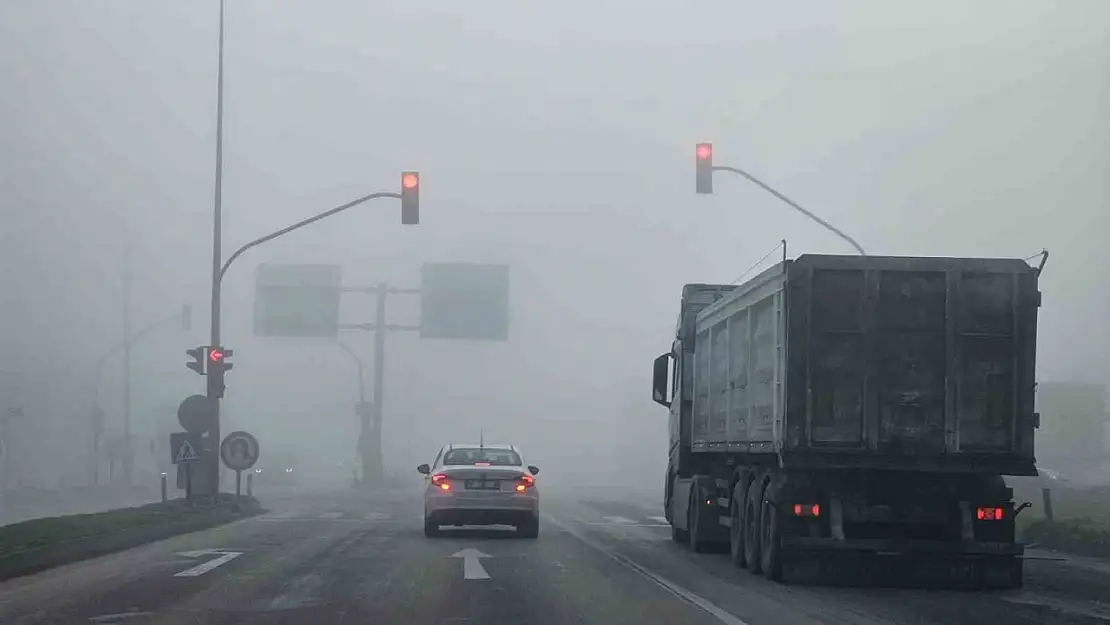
[557,139]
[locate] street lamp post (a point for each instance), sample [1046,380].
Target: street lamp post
[125,346]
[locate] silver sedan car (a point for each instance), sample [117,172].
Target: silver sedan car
[481,485]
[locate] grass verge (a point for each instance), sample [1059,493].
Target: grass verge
[1081,524]
[39,544]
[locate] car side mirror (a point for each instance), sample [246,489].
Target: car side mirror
[424,469]
[533,469]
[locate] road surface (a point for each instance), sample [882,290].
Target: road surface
[602,558]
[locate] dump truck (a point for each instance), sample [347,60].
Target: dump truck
[843,415]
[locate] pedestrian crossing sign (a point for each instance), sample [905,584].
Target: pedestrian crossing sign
[185,447]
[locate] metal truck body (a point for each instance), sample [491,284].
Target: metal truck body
[840,406]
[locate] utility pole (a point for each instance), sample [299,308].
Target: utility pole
[128,452]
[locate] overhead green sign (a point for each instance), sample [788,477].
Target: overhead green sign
[297,300]
[464,301]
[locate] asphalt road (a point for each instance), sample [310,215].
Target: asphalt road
[602,557]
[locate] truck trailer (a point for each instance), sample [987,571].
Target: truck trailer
[841,414]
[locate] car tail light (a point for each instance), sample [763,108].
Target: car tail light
[440,480]
[989,514]
[481,464]
[526,482]
[807,510]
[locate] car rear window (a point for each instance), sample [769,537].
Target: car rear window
[495,457]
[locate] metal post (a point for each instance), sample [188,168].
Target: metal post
[250,484]
[373,470]
[1046,496]
[189,483]
[164,495]
[213,459]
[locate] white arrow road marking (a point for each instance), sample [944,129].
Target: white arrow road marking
[201,569]
[618,520]
[659,519]
[472,563]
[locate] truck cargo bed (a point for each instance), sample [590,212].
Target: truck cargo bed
[871,361]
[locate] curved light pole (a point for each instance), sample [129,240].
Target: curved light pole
[185,315]
[705,167]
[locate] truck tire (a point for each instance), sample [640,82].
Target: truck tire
[753,537]
[736,527]
[679,536]
[769,559]
[693,515]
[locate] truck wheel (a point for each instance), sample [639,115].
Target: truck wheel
[753,537]
[770,561]
[736,529]
[693,515]
[679,536]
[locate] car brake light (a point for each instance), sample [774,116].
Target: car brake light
[526,482]
[807,509]
[989,514]
[481,464]
[440,480]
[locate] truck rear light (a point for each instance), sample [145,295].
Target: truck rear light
[526,482]
[807,510]
[989,514]
[440,480]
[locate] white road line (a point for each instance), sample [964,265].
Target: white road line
[659,519]
[201,569]
[618,520]
[112,618]
[379,516]
[329,515]
[693,599]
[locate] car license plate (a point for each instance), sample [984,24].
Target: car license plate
[483,485]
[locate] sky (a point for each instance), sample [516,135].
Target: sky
[555,138]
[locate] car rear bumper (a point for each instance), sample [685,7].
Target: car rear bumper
[461,508]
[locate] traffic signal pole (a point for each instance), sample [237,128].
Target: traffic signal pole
[705,167]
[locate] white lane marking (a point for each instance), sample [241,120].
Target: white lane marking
[329,515]
[378,516]
[112,618]
[472,563]
[693,599]
[662,520]
[618,520]
[201,569]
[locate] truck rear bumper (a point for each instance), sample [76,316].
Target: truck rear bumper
[882,546]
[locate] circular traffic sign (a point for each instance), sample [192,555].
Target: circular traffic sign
[239,451]
[197,414]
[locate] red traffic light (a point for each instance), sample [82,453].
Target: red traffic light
[215,355]
[704,151]
[410,180]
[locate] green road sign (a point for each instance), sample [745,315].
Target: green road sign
[297,300]
[464,301]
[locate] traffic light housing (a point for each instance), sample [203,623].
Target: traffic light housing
[218,365]
[703,155]
[199,356]
[410,198]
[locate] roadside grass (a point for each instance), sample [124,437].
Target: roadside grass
[38,544]
[1081,522]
